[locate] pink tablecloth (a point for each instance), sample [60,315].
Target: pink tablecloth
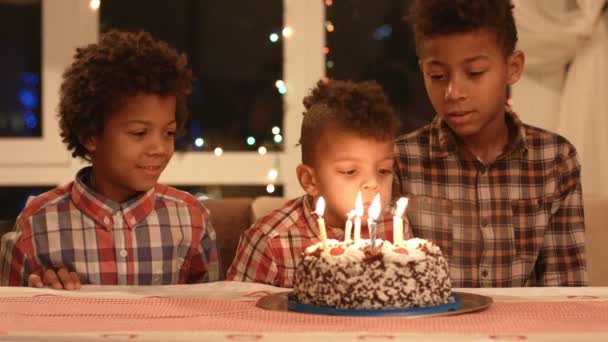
[227,312]
[70,314]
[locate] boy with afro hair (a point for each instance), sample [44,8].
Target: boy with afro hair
[122,103]
[347,147]
[502,199]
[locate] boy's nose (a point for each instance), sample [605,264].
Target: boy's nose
[159,148]
[454,91]
[371,184]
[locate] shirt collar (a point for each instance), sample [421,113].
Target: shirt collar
[518,139]
[102,209]
[444,141]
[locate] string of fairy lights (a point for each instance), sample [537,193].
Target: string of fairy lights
[330,28]
[198,143]
[274,37]
[94,4]
[273,173]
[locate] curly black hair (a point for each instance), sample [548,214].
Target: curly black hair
[362,108]
[102,75]
[432,18]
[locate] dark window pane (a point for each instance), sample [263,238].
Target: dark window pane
[234,60]
[13,199]
[20,60]
[370,40]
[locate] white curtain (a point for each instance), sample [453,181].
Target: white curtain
[564,87]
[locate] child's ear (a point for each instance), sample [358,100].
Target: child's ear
[306,177]
[89,143]
[515,66]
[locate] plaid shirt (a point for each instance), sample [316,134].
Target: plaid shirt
[162,236]
[517,221]
[271,249]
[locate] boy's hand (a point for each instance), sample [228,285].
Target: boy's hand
[62,279]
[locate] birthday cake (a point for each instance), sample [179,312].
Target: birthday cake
[349,275]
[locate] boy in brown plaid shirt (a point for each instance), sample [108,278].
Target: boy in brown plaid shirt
[347,146]
[502,199]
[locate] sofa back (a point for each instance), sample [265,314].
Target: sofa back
[596,239]
[230,217]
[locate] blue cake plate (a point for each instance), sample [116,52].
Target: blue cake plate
[463,303]
[294,305]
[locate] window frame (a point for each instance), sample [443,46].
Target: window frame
[68,24]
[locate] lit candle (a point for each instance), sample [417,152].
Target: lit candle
[398,221]
[372,215]
[358,214]
[319,211]
[349,225]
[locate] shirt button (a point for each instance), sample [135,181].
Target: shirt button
[485,222]
[132,220]
[156,280]
[484,273]
[106,220]
[123,253]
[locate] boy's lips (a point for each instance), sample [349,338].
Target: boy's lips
[459,117]
[151,170]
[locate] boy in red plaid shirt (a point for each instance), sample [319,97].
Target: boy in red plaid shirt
[122,104]
[347,146]
[502,199]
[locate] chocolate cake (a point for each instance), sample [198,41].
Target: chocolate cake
[353,276]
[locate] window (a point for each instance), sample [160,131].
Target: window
[235,49]
[241,56]
[20,43]
[370,40]
[13,199]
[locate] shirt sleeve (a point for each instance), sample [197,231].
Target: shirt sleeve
[254,260]
[204,264]
[15,265]
[562,258]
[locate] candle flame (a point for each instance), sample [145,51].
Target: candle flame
[401,205]
[320,209]
[359,205]
[350,214]
[374,210]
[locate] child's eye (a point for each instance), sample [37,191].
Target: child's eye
[139,133]
[436,77]
[475,74]
[385,171]
[348,172]
[171,133]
